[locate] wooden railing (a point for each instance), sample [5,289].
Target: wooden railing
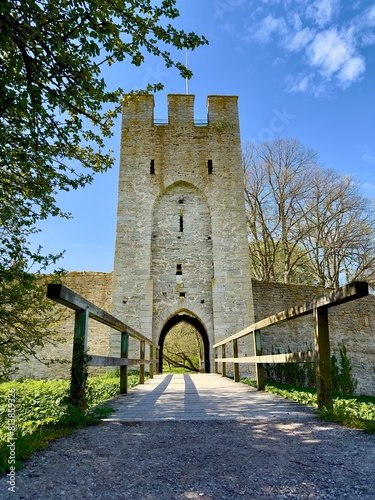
[80,359]
[318,307]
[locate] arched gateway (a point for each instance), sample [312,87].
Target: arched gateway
[181,242]
[193,321]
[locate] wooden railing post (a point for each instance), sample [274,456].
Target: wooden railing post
[142,358]
[124,368]
[157,360]
[236,367]
[323,358]
[79,362]
[151,366]
[259,368]
[216,367]
[83,311]
[223,364]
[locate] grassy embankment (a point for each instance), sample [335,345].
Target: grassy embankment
[352,411]
[42,413]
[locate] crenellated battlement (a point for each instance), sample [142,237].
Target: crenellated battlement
[180,110]
[222,112]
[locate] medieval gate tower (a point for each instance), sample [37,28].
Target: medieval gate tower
[181,245]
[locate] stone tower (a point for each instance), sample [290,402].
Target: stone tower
[181,245]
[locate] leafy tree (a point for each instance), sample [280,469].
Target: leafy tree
[183,347]
[55,108]
[27,318]
[56,111]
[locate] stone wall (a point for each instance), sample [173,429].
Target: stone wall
[351,324]
[95,287]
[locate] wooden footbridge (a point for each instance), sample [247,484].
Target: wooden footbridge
[204,395]
[200,397]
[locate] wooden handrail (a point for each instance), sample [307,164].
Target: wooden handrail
[321,356]
[80,359]
[346,293]
[63,295]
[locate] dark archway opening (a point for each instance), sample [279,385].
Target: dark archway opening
[197,325]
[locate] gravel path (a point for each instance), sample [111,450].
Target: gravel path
[282,452]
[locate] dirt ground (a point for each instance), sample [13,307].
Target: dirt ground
[202,437]
[227,459]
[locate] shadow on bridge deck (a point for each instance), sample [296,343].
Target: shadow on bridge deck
[201,397]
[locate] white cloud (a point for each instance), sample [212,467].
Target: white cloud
[299,40]
[306,83]
[366,155]
[300,83]
[324,43]
[229,27]
[295,19]
[351,70]
[368,189]
[326,11]
[368,16]
[329,51]
[269,26]
[323,11]
[368,39]
[278,61]
[334,54]
[363,26]
[225,7]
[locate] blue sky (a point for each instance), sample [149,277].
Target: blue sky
[303,69]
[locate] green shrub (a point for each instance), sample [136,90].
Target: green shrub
[303,374]
[310,375]
[347,384]
[335,373]
[43,411]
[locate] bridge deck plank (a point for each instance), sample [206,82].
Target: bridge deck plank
[200,397]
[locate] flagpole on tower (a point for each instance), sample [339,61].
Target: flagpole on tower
[187,67]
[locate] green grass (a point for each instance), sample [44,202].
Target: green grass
[352,411]
[43,412]
[175,369]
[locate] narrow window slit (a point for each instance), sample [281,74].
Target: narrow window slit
[152,167]
[209,167]
[181,223]
[179,270]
